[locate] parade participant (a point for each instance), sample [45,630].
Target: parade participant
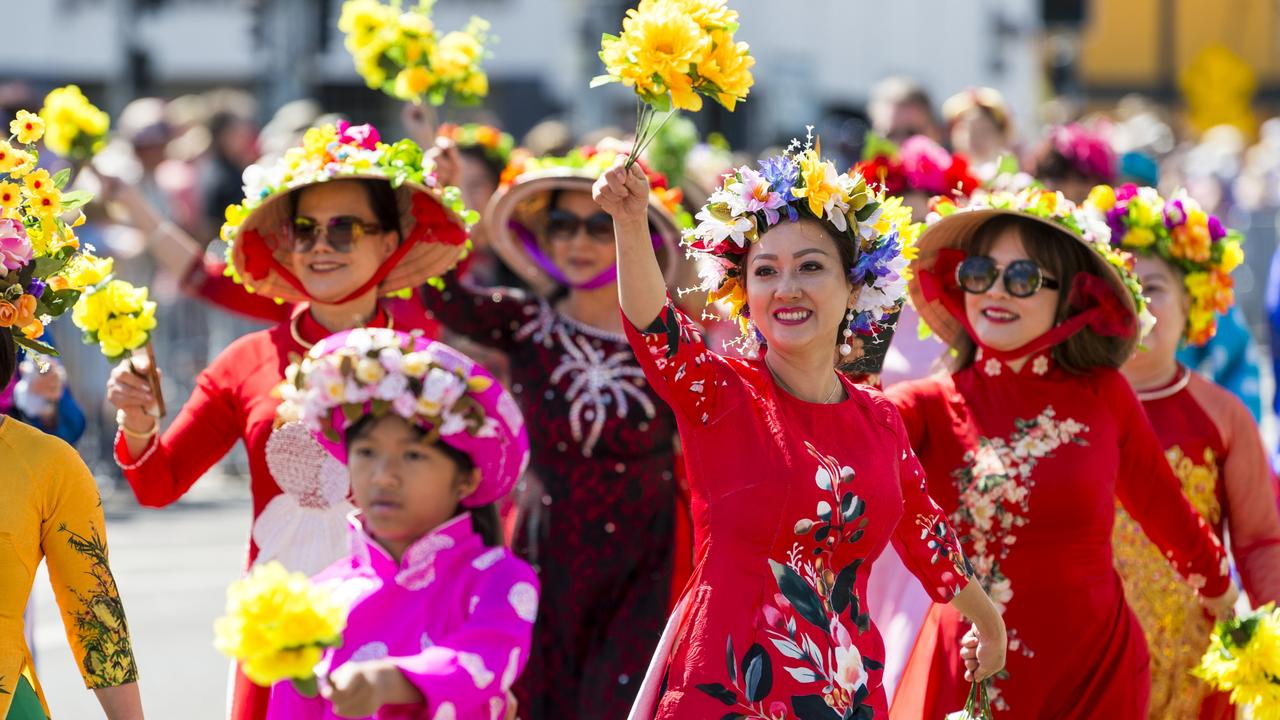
[52,512]
[1072,159]
[979,126]
[337,223]
[1184,257]
[441,613]
[595,512]
[800,478]
[1029,443]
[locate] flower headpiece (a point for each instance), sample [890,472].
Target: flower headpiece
[374,372]
[593,162]
[43,268]
[1181,233]
[1087,151]
[919,164]
[399,51]
[336,152]
[495,144]
[801,183]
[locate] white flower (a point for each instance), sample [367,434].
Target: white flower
[523,598]
[474,665]
[983,511]
[1001,593]
[415,364]
[992,367]
[714,229]
[1040,365]
[392,387]
[392,359]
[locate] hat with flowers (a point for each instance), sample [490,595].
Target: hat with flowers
[1076,148]
[1107,300]
[43,266]
[1180,232]
[784,188]
[433,220]
[517,211]
[495,144]
[376,372]
[919,164]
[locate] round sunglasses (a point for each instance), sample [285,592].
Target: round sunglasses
[1022,278]
[341,232]
[563,225]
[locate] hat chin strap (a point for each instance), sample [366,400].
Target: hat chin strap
[1098,308]
[429,220]
[607,276]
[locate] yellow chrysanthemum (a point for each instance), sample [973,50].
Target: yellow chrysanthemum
[710,14]
[276,624]
[73,125]
[816,176]
[413,82]
[87,270]
[120,333]
[728,67]
[454,55]
[27,126]
[90,312]
[659,40]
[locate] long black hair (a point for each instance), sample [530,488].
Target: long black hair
[484,518]
[8,357]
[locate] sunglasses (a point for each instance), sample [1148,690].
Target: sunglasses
[563,225]
[342,232]
[1022,278]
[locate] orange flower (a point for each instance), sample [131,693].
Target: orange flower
[26,311]
[8,313]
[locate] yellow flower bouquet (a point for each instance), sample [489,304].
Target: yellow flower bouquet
[278,625]
[1244,659]
[118,318]
[399,51]
[673,53]
[73,127]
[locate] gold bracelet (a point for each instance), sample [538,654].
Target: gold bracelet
[155,428]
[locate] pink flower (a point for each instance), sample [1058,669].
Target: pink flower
[364,136]
[15,247]
[757,195]
[850,673]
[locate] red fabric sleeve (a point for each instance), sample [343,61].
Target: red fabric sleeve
[1152,494]
[679,366]
[1253,523]
[207,281]
[206,428]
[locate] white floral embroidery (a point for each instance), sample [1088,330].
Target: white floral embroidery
[497,706]
[475,601]
[375,650]
[510,412]
[510,674]
[348,591]
[524,600]
[446,711]
[992,367]
[474,665]
[425,641]
[489,559]
[1040,365]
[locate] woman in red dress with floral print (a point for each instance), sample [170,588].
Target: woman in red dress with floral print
[799,478]
[1029,444]
[1184,257]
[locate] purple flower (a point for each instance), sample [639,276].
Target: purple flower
[1126,192]
[876,262]
[1216,231]
[36,288]
[1174,214]
[863,324]
[782,173]
[1115,220]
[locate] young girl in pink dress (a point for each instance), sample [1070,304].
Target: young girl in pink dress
[441,614]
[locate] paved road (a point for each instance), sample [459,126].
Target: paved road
[173,567]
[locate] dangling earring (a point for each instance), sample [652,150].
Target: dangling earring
[845,348]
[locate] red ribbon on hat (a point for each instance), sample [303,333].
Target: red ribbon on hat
[432,223]
[1092,298]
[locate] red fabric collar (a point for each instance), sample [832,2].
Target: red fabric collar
[1096,307]
[430,221]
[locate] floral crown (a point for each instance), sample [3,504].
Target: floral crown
[332,152]
[1180,232]
[801,183]
[495,144]
[590,161]
[1056,208]
[43,267]
[918,164]
[376,372]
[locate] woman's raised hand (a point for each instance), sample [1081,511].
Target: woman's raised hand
[623,193]
[448,161]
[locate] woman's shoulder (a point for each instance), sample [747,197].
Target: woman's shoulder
[878,406]
[31,445]
[938,386]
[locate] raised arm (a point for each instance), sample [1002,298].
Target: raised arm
[641,289]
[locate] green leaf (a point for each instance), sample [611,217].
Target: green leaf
[757,673]
[307,687]
[812,707]
[76,199]
[58,302]
[865,213]
[801,596]
[601,80]
[34,345]
[61,178]
[1007,165]
[732,660]
[719,692]
[842,590]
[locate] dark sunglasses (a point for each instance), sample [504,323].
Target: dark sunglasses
[1022,278]
[342,232]
[564,225]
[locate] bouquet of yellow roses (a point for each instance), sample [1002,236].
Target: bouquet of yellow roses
[278,625]
[399,51]
[74,128]
[1244,659]
[672,53]
[119,318]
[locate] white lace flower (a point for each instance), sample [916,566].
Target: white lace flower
[524,600]
[992,367]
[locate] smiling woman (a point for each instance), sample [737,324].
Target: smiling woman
[804,476]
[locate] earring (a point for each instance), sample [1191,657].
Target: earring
[845,348]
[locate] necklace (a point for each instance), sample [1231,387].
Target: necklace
[297,336]
[1183,380]
[830,398]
